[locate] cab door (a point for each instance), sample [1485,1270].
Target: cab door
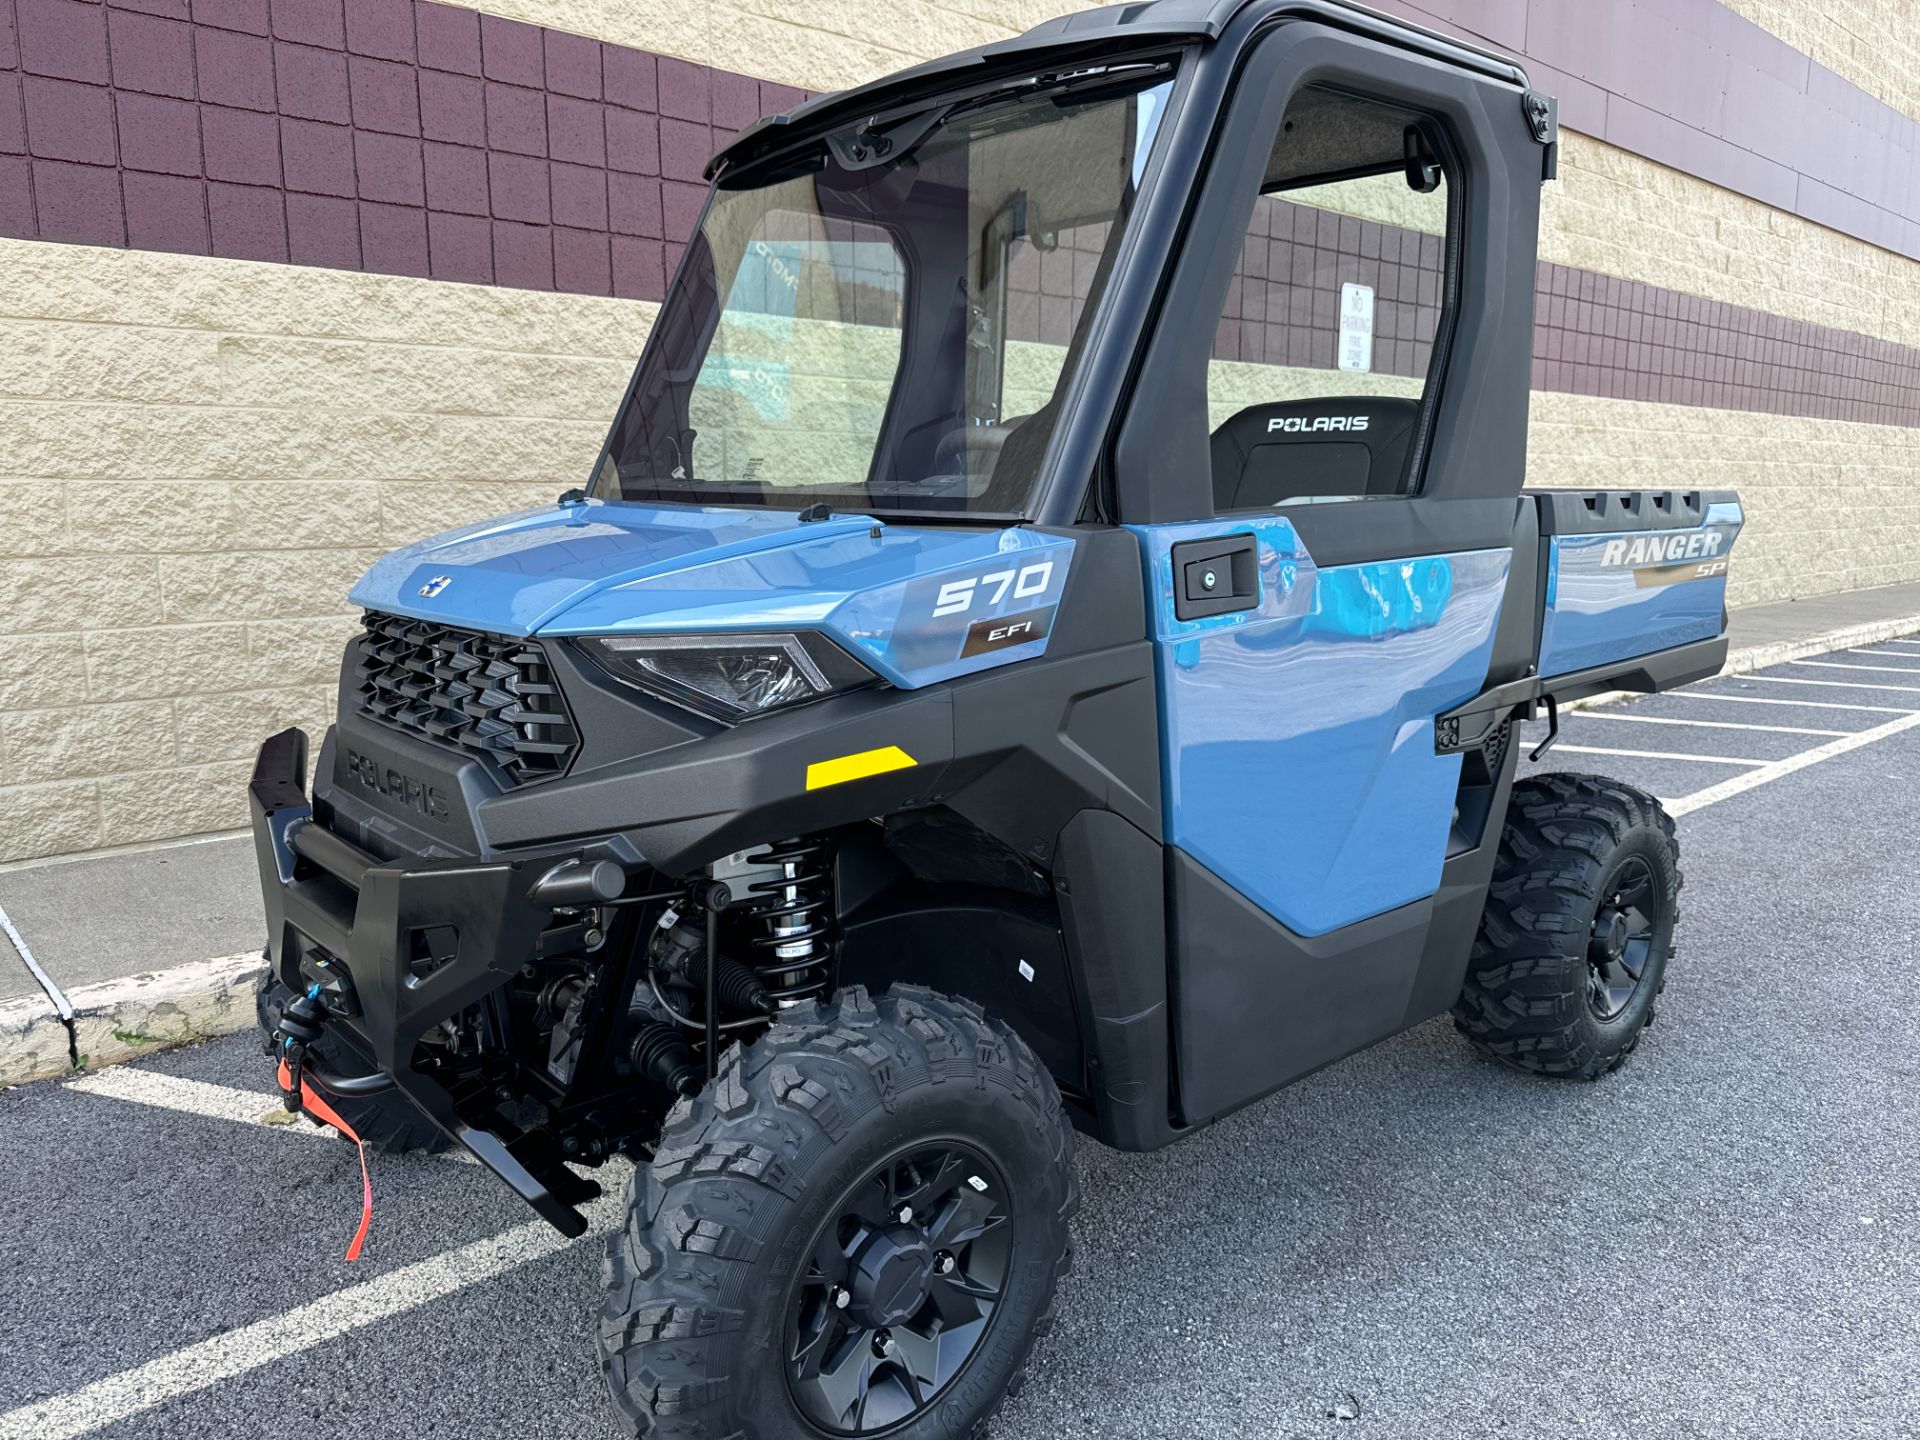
[1321,461]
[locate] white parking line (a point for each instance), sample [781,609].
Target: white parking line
[1833,684]
[1654,755]
[109,1400]
[1913,655]
[193,1097]
[1868,669]
[214,1102]
[1710,724]
[1775,769]
[1796,704]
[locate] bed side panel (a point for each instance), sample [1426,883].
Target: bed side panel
[1630,573]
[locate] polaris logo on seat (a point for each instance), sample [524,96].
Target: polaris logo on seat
[1664,549]
[1299,424]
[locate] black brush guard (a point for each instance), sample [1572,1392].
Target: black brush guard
[329,900]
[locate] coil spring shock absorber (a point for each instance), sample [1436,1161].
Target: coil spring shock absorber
[792,957]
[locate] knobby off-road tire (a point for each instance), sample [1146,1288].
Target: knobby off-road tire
[389,1123]
[1573,945]
[715,1281]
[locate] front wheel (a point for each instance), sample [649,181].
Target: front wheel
[1578,928]
[855,1229]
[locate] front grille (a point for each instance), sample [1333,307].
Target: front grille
[488,694]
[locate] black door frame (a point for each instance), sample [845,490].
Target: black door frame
[1256,1006]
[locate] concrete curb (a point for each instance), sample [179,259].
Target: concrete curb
[1758,657]
[125,1019]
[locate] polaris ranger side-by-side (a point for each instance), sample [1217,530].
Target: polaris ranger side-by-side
[1041,649]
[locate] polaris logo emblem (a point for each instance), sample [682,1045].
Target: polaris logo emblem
[396,785]
[434,586]
[1298,424]
[1664,549]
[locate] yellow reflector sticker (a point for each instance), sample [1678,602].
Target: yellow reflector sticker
[823,773]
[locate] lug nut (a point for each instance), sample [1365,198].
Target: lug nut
[906,1215]
[882,1343]
[841,1297]
[945,1263]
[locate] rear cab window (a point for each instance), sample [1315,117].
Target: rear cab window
[1326,348]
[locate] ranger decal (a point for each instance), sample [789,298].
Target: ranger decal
[1664,549]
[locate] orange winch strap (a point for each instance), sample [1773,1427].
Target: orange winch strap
[311,1100]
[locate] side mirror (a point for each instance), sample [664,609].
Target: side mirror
[1423,166]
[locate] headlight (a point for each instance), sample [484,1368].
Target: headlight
[731,677]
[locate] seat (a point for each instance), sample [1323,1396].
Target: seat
[1330,449]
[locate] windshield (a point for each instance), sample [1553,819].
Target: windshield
[882,322]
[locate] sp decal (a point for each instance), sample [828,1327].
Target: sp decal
[434,586]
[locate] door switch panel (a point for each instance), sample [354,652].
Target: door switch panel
[1215,576]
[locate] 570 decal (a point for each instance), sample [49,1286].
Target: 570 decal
[956,597]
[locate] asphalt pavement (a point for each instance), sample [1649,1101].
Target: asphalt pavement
[1721,1240]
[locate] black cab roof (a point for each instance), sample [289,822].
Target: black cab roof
[1087,35]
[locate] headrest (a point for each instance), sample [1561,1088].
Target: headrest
[1312,449]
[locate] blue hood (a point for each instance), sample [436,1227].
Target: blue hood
[604,569]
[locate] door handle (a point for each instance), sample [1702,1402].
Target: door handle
[1215,576]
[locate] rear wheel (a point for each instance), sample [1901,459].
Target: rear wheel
[856,1229]
[388,1122]
[1578,928]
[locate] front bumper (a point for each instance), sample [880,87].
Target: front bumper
[419,942]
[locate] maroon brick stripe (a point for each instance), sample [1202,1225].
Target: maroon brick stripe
[1600,335]
[412,138]
[396,136]
[1283,305]
[1593,334]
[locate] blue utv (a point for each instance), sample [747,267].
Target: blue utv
[1040,650]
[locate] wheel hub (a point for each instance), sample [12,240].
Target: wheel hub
[1610,932]
[901,1286]
[1620,945]
[891,1276]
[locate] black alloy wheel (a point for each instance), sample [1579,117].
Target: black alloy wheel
[1579,925]
[856,1228]
[1623,936]
[900,1289]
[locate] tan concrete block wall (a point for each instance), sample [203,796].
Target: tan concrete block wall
[1618,214]
[1830,505]
[1875,44]
[200,458]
